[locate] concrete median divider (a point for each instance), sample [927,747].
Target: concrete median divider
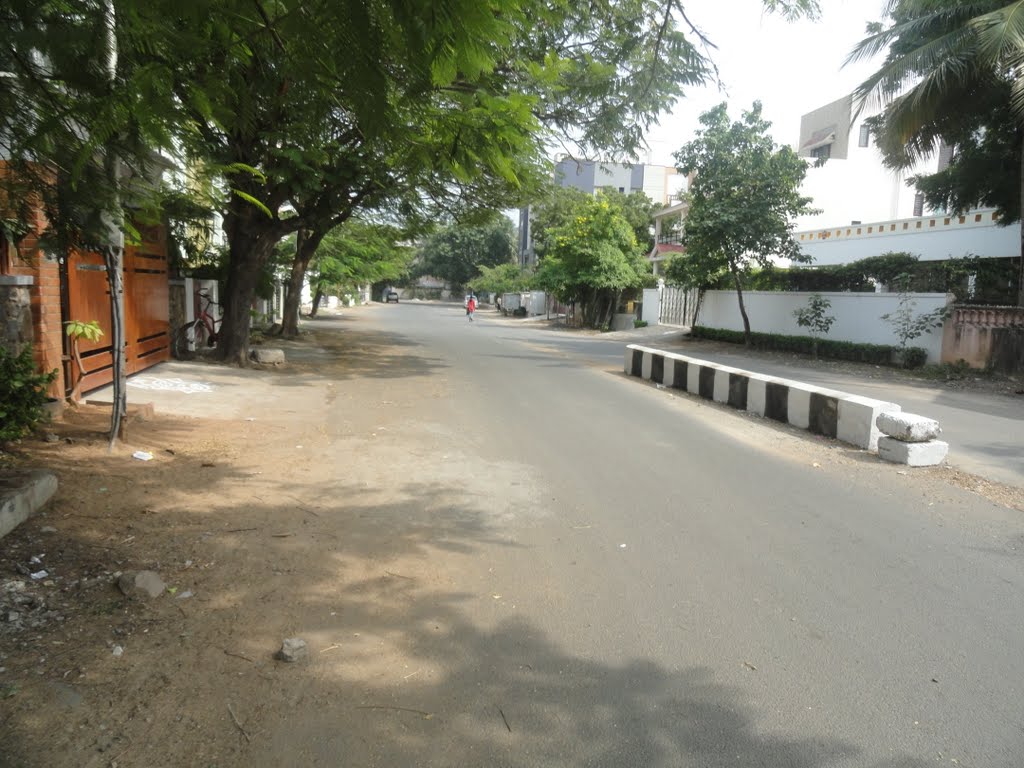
[827,412]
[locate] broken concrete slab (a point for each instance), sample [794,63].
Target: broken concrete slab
[22,493]
[912,454]
[908,427]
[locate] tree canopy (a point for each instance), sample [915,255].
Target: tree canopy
[305,113]
[457,253]
[743,200]
[952,74]
[592,258]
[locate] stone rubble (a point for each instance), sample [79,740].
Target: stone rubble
[910,439]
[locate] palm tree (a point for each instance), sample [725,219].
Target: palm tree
[951,65]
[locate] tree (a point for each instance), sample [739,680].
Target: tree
[503,278]
[638,209]
[592,259]
[77,138]
[744,198]
[306,113]
[908,325]
[815,318]
[952,73]
[358,253]
[312,111]
[457,253]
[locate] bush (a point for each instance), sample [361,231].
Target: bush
[876,354]
[22,393]
[639,323]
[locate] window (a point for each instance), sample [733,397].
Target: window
[823,152]
[865,133]
[919,204]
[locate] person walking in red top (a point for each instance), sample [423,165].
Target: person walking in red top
[471,307]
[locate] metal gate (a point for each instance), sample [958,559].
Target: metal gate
[679,306]
[146,309]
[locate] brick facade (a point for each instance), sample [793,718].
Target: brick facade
[47,329]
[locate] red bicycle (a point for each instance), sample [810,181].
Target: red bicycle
[197,333]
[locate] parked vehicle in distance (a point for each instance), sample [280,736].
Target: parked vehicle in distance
[391,296]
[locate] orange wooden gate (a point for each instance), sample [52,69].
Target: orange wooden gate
[146,309]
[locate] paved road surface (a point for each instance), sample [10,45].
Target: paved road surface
[985,431]
[679,586]
[541,562]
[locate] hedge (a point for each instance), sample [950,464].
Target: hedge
[995,280]
[876,354]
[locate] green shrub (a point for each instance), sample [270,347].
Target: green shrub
[876,354]
[639,323]
[22,393]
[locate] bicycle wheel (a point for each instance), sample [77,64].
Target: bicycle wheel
[180,345]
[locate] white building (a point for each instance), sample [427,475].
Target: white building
[847,180]
[656,181]
[868,210]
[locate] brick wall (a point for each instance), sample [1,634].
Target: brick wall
[15,312]
[47,328]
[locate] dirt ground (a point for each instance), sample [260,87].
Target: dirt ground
[238,517]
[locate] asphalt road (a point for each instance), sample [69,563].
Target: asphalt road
[645,580]
[985,431]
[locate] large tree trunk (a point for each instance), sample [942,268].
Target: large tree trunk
[250,244]
[743,309]
[317,298]
[306,243]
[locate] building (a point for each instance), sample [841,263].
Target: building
[668,235]
[590,176]
[847,179]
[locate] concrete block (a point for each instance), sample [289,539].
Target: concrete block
[738,382]
[669,377]
[908,427]
[693,378]
[627,362]
[22,493]
[658,367]
[645,366]
[857,417]
[756,395]
[912,454]
[720,394]
[266,355]
[798,406]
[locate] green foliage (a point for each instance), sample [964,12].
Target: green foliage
[22,393]
[745,194]
[592,258]
[80,329]
[815,318]
[457,253]
[951,74]
[908,325]
[876,354]
[994,280]
[503,278]
[638,209]
[358,253]
[743,200]
[639,323]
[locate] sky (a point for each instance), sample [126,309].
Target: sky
[791,67]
